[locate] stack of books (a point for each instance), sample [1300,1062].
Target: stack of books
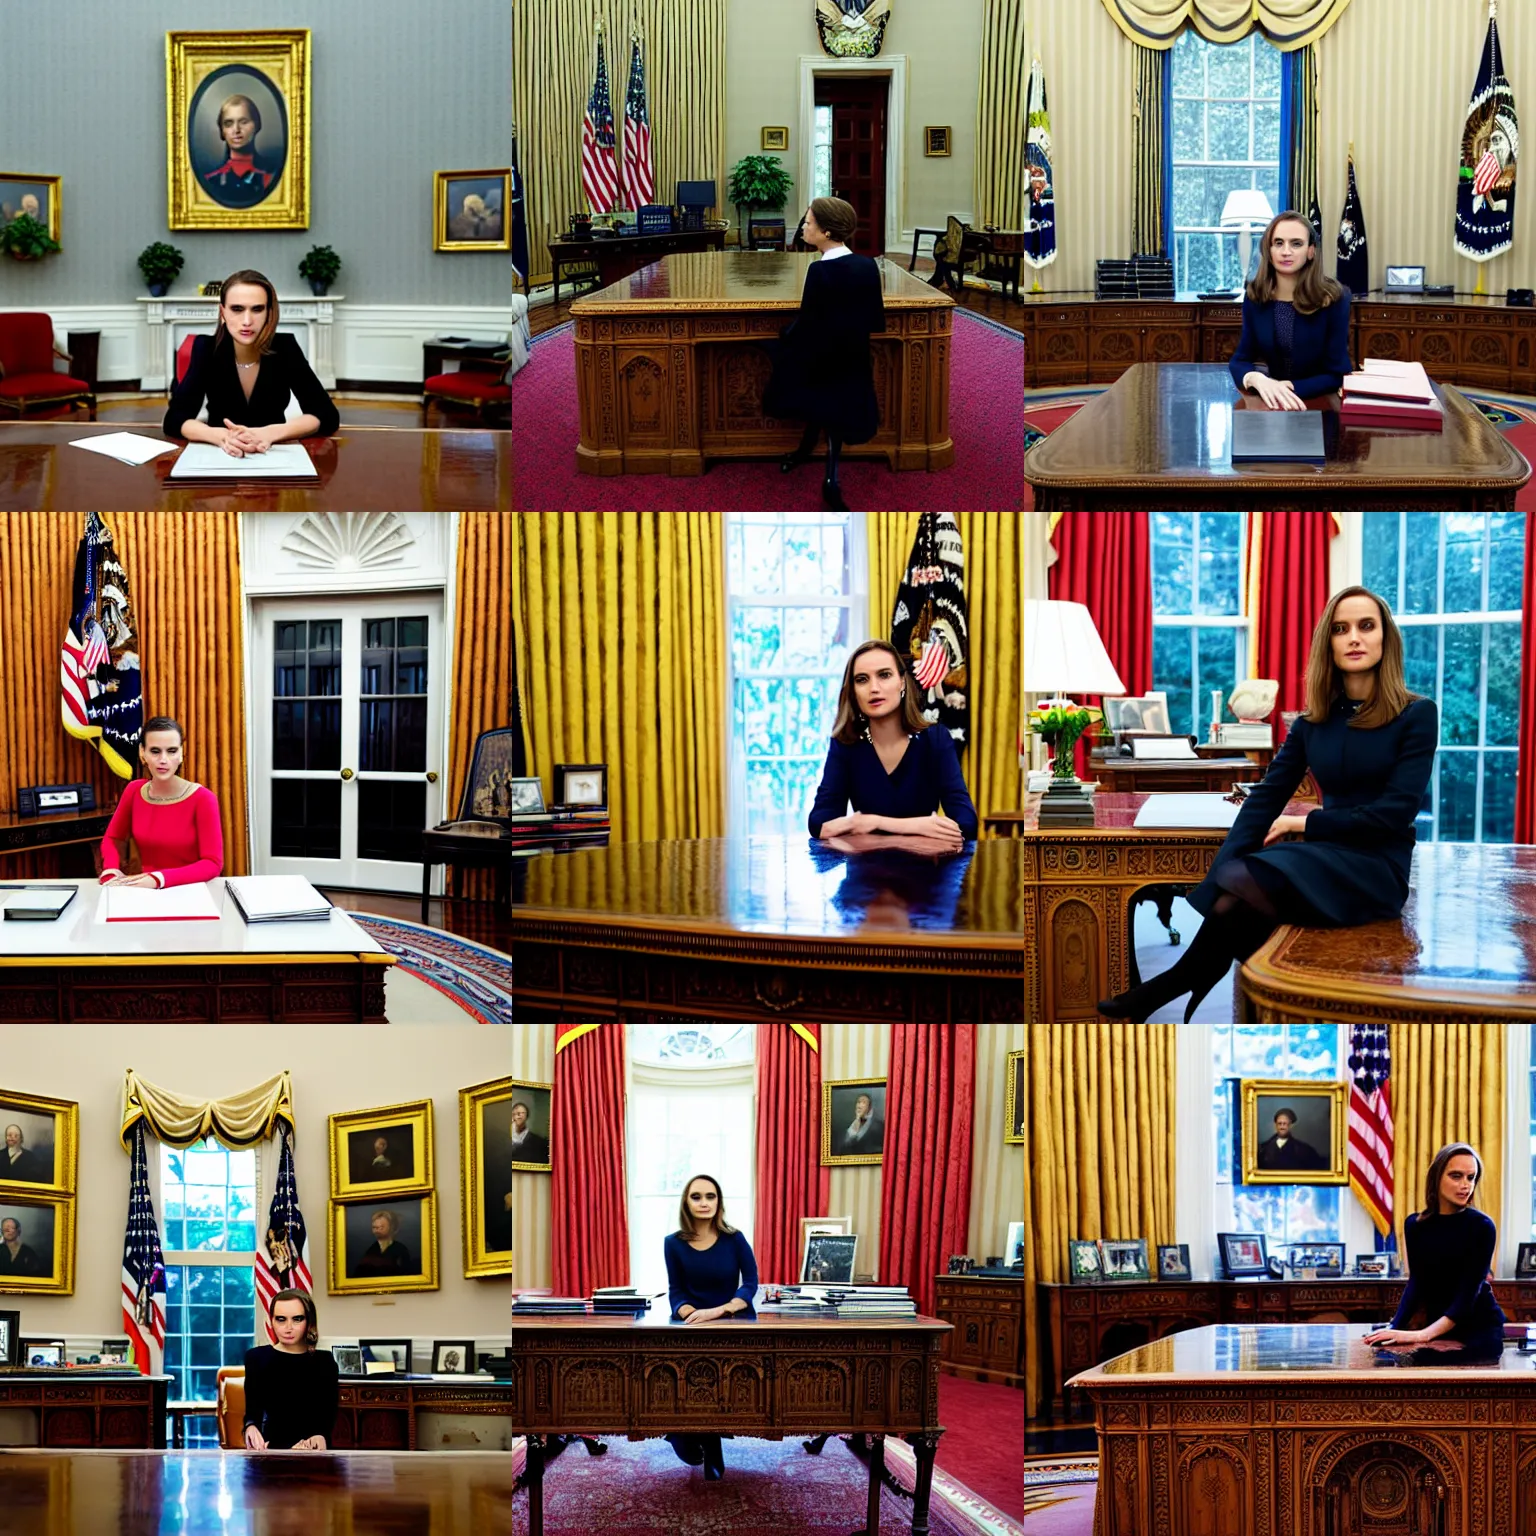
[533,830]
[548,1306]
[844,1301]
[621,1301]
[1386,393]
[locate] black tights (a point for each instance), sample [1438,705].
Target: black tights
[808,447]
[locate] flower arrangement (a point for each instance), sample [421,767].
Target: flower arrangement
[1059,725]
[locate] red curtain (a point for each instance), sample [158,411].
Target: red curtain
[925,1195]
[1105,562]
[1288,590]
[1525,781]
[791,1182]
[589,1221]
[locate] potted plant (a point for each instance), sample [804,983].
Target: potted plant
[1059,725]
[160,263]
[320,267]
[759,181]
[27,239]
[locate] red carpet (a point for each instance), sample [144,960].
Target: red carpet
[986,388]
[983,1432]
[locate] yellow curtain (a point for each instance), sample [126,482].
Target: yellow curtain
[1447,1085]
[184,586]
[1100,1136]
[1000,185]
[482,683]
[621,660]
[994,562]
[241,1120]
[554,63]
[1287,24]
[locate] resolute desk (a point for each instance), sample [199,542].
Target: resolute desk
[81,969]
[766,1377]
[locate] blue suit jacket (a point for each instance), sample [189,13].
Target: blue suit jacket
[1319,346]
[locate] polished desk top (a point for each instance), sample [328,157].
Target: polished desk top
[1115,812]
[375,469]
[711,280]
[1171,424]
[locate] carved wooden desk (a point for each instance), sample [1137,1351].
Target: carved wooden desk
[620,255]
[988,1314]
[670,366]
[381,1415]
[767,1377]
[1304,1431]
[76,1408]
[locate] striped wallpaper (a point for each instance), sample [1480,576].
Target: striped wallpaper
[857,1051]
[533,1061]
[1000,123]
[997,1167]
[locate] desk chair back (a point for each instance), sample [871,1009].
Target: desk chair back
[231,1380]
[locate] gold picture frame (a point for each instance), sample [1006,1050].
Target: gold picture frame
[59,1279]
[204,73]
[1316,1150]
[470,229]
[937,143]
[360,1168]
[485,1186]
[351,1238]
[27,1111]
[539,1100]
[15,185]
[1013,1099]
[776,140]
[839,1101]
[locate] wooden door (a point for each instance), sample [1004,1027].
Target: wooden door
[858,152]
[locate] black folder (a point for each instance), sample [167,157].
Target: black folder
[46,911]
[1277,437]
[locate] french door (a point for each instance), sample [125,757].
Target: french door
[346,753]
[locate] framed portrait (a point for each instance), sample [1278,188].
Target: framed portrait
[775,140]
[1525,1264]
[529,1118]
[852,1122]
[237,129]
[1173,1261]
[1083,1266]
[485,1171]
[1013,1100]
[41,1136]
[469,213]
[1124,1258]
[1325,1258]
[829,1259]
[381,1151]
[823,1226]
[1372,1264]
[37,1244]
[1294,1132]
[10,1337]
[527,797]
[42,1352]
[116,1352]
[1013,1249]
[388,1244]
[453,1357]
[385,1355]
[41,197]
[349,1359]
[582,785]
[1243,1253]
[936,142]
[1147,712]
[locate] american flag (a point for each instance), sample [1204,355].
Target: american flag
[283,1262]
[143,1269]
[107,711]
[599,163]
[933,663]
[1486,173]
[1370,1123]
[639,173]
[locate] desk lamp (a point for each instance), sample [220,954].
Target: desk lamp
[1242,210]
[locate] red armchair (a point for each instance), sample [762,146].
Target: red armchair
[27,379]
[482,384]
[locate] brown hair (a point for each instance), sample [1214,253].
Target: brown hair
[269,330]
[851,720]
[1437,1172]
[837,218]
[311,1317]
[1390,695]
[1314,290]
[685,1221]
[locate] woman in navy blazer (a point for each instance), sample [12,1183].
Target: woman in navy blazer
[1295,341]
[887,760]
[1370,743]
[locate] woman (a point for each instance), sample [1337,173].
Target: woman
[711,1274]
[887,760]
[245,372]
[174,821]
[1371,745]
[1450,1251]
[822,372]
[1295,340]
[290,1386]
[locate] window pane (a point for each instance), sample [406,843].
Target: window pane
[1219,562]
[1173,562]
[1379,565]
[1420,658]
[763,547]
[1506,540]
[1458,797]
[1499,796]
[1171,673]
[1421,561]
[1501,723]
[1463,676]
[1463,562]
[1218,666]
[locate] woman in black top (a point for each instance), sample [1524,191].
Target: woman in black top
[1450,1250]
[822,373]
[245,372]
[290,1386]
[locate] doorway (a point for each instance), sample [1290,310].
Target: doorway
[851,114]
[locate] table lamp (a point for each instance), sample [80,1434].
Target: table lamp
[1062,651]
[1242,210]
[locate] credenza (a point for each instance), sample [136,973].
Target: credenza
[75,1409]
[987,1312]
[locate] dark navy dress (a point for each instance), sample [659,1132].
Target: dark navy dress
[710,1277]
[1448,1262]
[1352,864]
[928,774]
[1312,355]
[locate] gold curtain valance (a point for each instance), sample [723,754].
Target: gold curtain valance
[1288,24]
[241,1120]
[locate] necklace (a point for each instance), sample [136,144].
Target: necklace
[247,365]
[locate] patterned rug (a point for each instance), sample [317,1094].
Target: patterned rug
[1059,1493]
[475,976]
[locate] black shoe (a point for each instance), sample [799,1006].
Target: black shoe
[689,1449]
[1133,1006]
[793,461]
[714,1461]
[832,496]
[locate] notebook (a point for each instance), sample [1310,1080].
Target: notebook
[278,899]
[34,903]
[1277,437]
[175,904]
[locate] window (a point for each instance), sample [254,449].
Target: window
[208,1202]
[1452,580]
[796,607]
[1199,638]
[1225,120]
[821,146]
[691,1045]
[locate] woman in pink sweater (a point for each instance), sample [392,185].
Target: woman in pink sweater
[174,822]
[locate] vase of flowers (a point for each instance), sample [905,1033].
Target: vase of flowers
[1059,723]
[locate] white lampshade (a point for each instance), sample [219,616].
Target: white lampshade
[1063,652]
[1245,206]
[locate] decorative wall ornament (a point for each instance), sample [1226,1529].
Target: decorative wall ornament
[852,29]
[340,541]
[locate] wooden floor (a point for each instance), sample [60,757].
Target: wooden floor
[482,922]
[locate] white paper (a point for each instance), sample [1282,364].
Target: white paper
[36,901]
[1156,747]
[1187,811]
[129,447]
[278,896]
[176,903]
[206,461]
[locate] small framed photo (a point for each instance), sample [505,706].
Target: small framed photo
[1525,1264]
[829,1259]
[116,1352]
[381,1355]
[822,1226]
[775,140]
[852,1122]
[10,1337]
[529,1115]
[527,797]
[1294,1132]
[1124,1259]
[582,786]
[469,213]
[39,197]
[1243,1253]
[1327,1259]
[42,1352]
[1013,1099]
[1013,1249]
[936,143]
[453,1357]
[1083,1265]
[1145,712]
[961,1264]
[349,1359]
[1173,1261]
[1372,1264]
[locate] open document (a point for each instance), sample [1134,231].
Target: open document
[1187,811]
[207,461]
[175,904]
[129,447]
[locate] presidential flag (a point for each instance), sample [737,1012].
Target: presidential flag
[1370,1124]
[639,173]
[1354,266]
[1040,211]
[102,701]
[143,1269]
[283,1263]
[1490,141]
[929,626]
[519,219]
[599,155]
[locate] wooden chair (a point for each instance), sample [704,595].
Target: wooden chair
[957,250]
[483,384]
[481,835]
[231,1380]
[27,377]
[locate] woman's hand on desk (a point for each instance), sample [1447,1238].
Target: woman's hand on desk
[860,821]
[1277,394]
[1282,826]
[253,1439]
[705,1315]
[1388,1337]
[239,441]
[314,1443]
[123,879]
